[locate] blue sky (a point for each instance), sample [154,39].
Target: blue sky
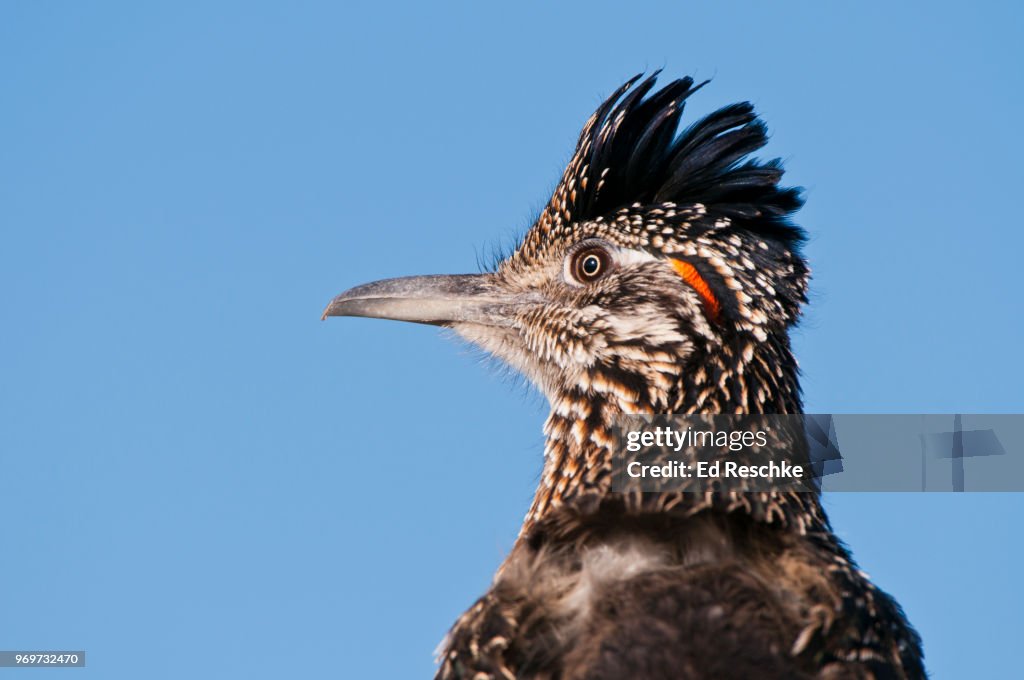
[200,478]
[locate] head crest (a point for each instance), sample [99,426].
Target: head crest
[629,153]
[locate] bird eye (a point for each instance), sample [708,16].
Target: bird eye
[590,264]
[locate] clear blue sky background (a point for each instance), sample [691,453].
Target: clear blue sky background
[198,478]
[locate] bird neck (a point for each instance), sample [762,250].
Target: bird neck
[580,442]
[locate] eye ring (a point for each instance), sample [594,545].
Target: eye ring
[590,264]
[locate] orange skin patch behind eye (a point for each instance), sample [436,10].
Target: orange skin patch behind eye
[693,278]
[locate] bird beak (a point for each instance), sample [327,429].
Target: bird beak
[437,300]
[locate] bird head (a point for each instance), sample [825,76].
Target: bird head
[662,276]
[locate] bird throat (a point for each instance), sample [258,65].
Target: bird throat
[579,430]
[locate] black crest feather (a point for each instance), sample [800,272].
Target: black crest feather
[629,152]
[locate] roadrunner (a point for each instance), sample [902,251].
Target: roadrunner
[661,278]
